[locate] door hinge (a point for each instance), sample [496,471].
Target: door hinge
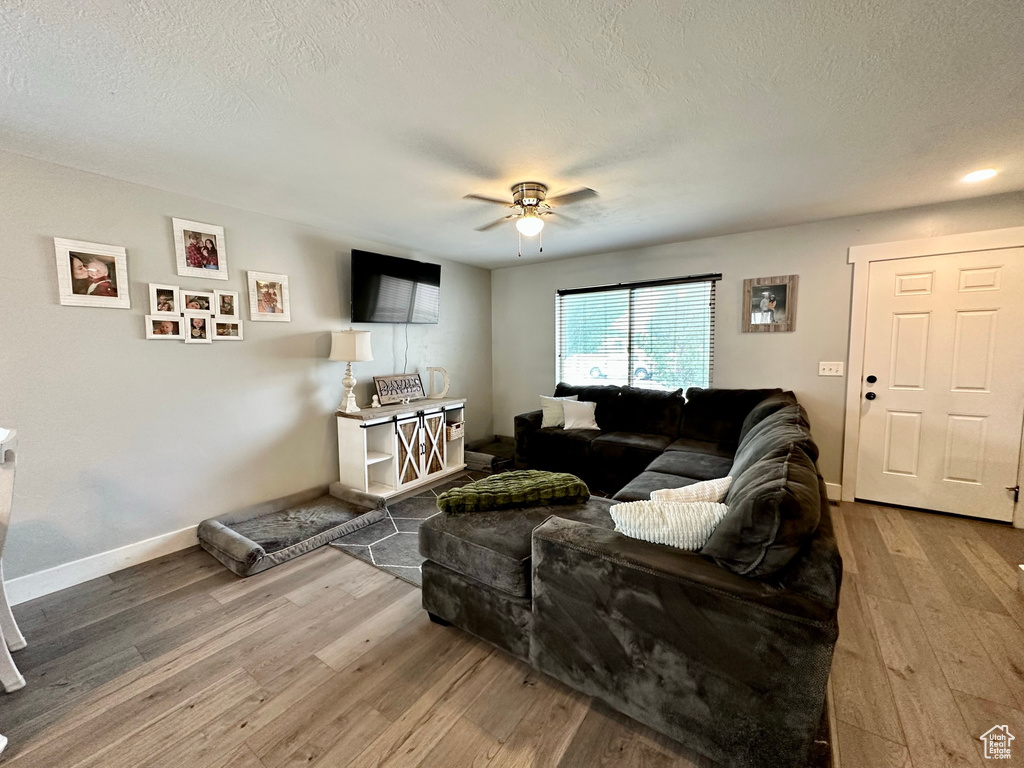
[1016,492]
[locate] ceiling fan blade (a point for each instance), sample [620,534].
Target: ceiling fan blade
[493,224]
[563,218]
[486,199]
[572,197]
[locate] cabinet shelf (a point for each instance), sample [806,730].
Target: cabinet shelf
[375,457]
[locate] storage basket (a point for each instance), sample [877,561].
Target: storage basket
[454,431]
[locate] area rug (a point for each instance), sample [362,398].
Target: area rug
[392,544]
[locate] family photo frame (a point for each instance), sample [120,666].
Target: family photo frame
[164,299]
[225,304]
[91,274]
[165,327]
[197,301]
[198,327]
[200,250]
[769,304]
[227,330]
[268,297]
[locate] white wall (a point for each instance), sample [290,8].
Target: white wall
[121,438]
[523,305]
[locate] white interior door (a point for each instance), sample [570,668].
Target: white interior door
[941,423]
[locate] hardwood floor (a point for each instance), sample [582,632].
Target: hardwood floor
[327,661]
[931,650]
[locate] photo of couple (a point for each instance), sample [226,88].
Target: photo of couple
[92,275]
[269,297]
[201,250]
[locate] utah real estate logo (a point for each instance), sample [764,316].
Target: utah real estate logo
[997,742]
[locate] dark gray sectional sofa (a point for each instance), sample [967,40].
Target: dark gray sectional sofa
[727,650]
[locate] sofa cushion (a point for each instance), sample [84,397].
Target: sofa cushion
[684,525]
[717,415]
[774,508]
[775,433]
[702,446]
[604,395]
[641,486]
[564,443]
[766,407]
[628,446]
[648,411]
[494,547]
[685,464]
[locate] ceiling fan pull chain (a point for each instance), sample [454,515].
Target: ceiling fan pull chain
[520,243]
[540,239]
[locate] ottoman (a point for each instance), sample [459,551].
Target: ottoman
[477,570]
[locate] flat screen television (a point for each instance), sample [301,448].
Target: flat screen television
[386,289]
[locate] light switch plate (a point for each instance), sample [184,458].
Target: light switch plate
[830,369]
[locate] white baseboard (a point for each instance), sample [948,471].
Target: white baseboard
[59,577]
[835,491]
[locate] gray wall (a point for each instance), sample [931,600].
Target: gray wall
[121,438]
[523,305]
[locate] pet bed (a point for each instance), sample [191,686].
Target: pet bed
[260,537]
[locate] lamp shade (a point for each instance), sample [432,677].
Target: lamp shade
[351,346]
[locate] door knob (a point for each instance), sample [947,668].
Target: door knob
[872,379]
[870,396]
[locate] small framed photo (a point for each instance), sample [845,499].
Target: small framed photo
[200,250]
[225,304]
[769,304]
[164,327]
[197,301]
[198,328]
[91,274]
[227,330]
[268,297]
[164,299]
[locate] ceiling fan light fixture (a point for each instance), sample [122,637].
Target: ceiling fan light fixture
[982,175]
[529,224]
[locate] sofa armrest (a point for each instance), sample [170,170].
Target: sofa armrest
[732,666]
[688,571]
[525,425]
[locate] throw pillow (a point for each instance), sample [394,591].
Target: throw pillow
[708,490]
[580,414]
[677,524]
[552,414]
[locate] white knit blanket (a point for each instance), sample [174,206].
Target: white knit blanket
[687,525]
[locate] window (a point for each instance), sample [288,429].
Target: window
[658,334]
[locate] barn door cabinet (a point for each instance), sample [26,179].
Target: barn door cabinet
[394,449]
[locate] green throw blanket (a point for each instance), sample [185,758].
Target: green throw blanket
[525,488]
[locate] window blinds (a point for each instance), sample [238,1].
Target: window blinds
[657,334]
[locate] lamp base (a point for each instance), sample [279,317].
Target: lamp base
[348,400]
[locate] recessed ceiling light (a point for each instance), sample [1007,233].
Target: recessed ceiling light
[984,173]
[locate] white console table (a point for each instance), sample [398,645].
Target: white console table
[396,448]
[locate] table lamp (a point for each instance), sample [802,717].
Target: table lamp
[350,347]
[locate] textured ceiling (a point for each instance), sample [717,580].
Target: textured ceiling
[373,117]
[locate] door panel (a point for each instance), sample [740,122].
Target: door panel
[407,441]
[945,339]
[434,443]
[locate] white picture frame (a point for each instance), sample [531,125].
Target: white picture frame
[91,274]
[205,300]
[224,300]
[168,296]
[156,325]
[268,289]
[190,326]
[195,255]
[227,329]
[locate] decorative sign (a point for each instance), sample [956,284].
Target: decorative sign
[398,387]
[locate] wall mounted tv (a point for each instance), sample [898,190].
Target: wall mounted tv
[386,289]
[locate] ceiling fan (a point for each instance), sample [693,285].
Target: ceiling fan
[530,204]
